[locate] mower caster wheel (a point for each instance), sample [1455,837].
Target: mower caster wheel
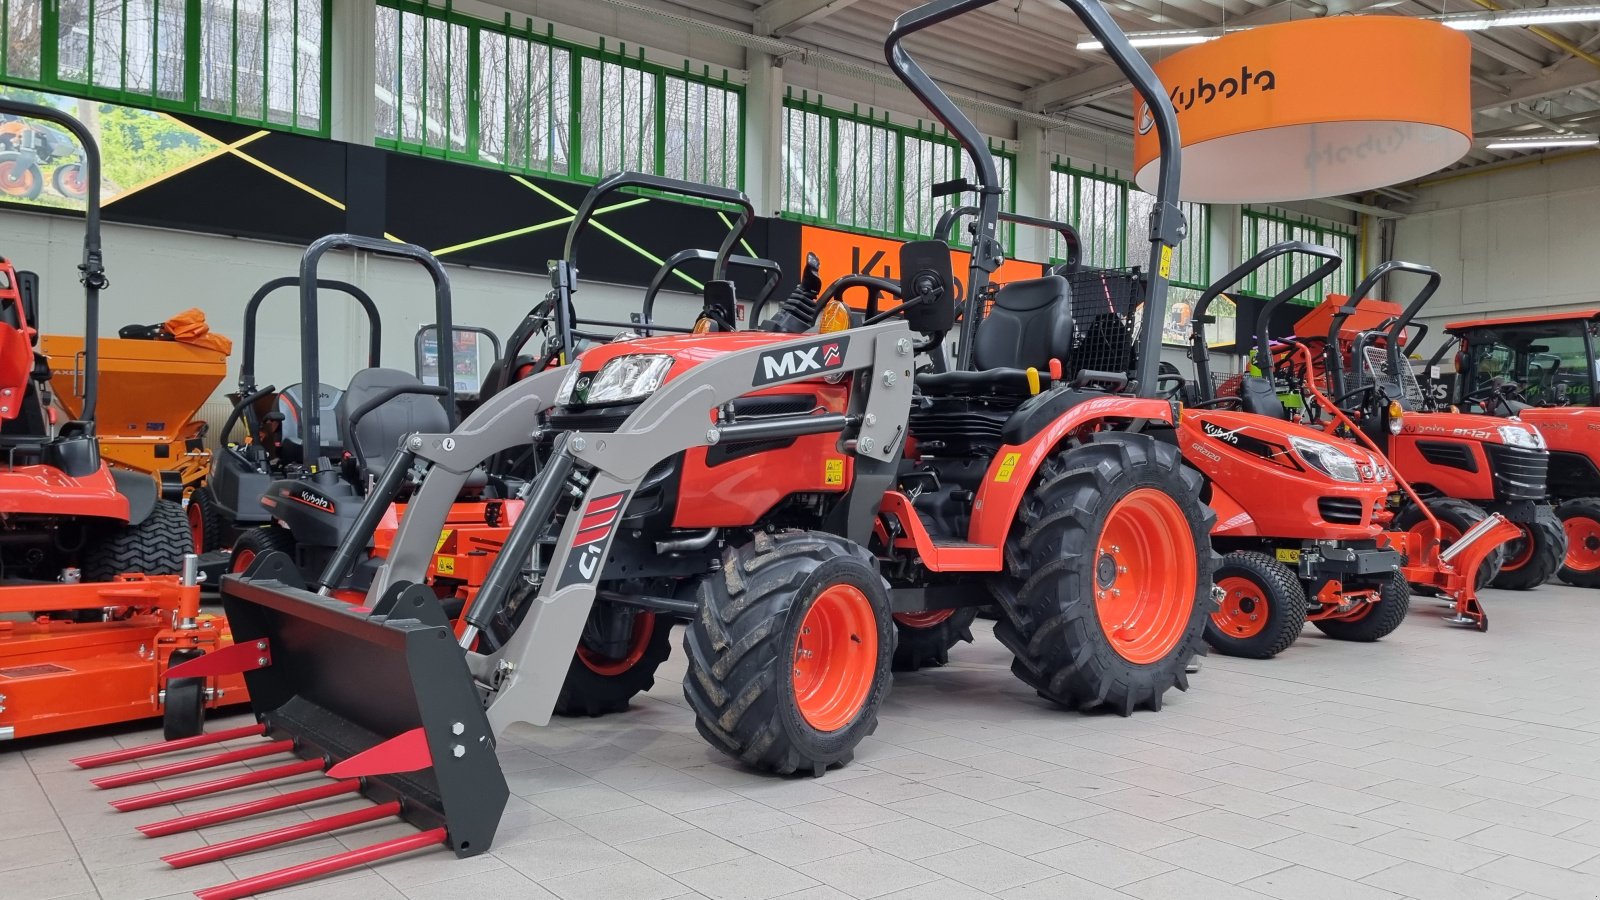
[788,658]
[183,713]
[1263,607]
[926,637]
[1377,620]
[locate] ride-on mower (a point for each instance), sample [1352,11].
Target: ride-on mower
[100,598]
[1541,369]
[787,536]
[1300,518]
[1462,466]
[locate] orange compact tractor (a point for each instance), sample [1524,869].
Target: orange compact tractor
[1463,466]
[1541,370]
[783,494]
[100,596]
[1300,517]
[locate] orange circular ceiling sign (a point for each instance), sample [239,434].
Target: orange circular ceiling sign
[1313,109]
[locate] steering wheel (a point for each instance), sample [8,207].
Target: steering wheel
[1503,393]
[1234,401]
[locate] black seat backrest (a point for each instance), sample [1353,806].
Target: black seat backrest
[292,402]
[1258,395]
[379,431]
[1030,324]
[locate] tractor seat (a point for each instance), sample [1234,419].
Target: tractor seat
[380,430]
[1029,325]
[1258,395]
[292,403]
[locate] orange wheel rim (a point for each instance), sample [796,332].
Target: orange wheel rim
[242,560]
[835,657]
[1243,613]
[644,625]
[1448,534]
[1144,573]
[1520,550]
[1583,543]
[925,619]
[197,526]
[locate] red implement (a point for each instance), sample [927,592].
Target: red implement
[269,881]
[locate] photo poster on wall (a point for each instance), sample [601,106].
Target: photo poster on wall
[1221,331]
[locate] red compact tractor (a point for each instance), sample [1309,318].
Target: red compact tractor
[100,597]
[1463,466]
[1541,370]
[781,494]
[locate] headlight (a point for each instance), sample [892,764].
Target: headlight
[1519,436]
[628,378]
[1327,459]
[568,385]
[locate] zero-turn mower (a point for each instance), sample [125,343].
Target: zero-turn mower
[1463,466]
[1541,370]
[100,597]
[787,533]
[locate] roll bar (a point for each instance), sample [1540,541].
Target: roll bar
[1200,351]
[676,261]
[247,365]
[91,271]
[308,315]
[947,220]
[1167,227]
[620,180]
[1336,359]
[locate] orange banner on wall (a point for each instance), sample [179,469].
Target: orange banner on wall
[1314,108]
[845,253]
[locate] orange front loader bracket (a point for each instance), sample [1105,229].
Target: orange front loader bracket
[59,675]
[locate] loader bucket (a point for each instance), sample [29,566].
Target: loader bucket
[381,704]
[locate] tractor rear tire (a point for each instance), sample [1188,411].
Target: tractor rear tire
[183,712]
[597,684]
[788,659]
[1530,560]
[155,546]
[205,520]
[1076,641]
[1380,619]
[925,638]
[253,543]
[1263,609]
[1458,516]
[1580,519]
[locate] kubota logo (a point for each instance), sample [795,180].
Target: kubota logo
[819,357]
[1205,92]
[1220,433]
[317,500]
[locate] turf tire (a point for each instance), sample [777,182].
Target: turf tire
[1382,618]
[205,520]
[155,546]
[257,542]
[1284,607]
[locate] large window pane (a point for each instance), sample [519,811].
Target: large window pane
[524,114]
[24,41]
[618,125]
[262,60]
[422,80]
[132,46]
[807,162]
[865,191]
[702,132]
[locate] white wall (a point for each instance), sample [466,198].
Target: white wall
[1519,239]
[155,273]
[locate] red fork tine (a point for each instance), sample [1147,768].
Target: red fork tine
[112,757]
[249,808]
[281,835]
[217,785]
[338,862]
[192,765]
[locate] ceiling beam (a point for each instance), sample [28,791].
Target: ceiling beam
[1567,75]
[779,17]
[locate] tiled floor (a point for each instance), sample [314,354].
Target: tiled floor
[1440,764]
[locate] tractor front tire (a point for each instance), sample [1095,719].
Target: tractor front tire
[599,681]
[1580,519]
[155,546]
[1457,517]
[1529,561]
[1263,607]
[1378,621]
[925,638]
[205,520]
[254,543]
[1108,580]
[788,659]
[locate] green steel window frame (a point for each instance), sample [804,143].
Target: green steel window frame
[904,214]
[1192,266]
[1264,226]
[190,101]
[652,121]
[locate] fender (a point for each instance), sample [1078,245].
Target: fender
[140,489]
[1013,467]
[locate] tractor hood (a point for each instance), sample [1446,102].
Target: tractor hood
[628,370]
[1282,443]
[1488,429]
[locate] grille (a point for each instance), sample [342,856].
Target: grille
[1340,510]
[1519,473]
[1452,455]
[603,420]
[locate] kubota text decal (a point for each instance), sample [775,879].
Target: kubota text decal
[589,543]
[816,358]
